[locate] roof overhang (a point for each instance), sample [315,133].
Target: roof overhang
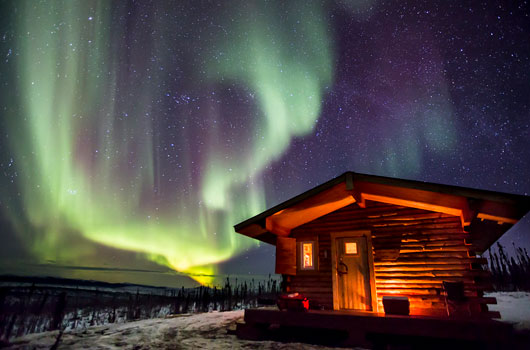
[491,211]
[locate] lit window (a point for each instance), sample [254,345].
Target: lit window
[350,247]
[307,256]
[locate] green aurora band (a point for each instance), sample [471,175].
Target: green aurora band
[88,169]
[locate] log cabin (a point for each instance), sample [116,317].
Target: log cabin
[358,238]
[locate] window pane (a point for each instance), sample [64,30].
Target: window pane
[307,250]
[351,248]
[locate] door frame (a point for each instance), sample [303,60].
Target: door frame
[358,233]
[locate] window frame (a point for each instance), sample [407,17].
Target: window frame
[301,255]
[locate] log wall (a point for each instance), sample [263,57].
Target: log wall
[414,252]
[316,285]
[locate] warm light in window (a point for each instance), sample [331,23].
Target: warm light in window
[307,255]
[351,248]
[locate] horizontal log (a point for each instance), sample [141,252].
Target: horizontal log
[428,267]
[426,283]
[423,226]
[429,255]
[429,285]
[436,273]
[421,239]
[431,241]
[382,290]
[442,223]
[420,224]
[430,233]
[409,291]
[429,244]
[405,220]
[430,261]
[333,226]
[426,257]
[419,279]
[436,252]
[418,298]
[401,217]
[370,209]
[389,209]
[380,232]
[313,274]
[454,249]
[406,215]
[425,241]
[403,286]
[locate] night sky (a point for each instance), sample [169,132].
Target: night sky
[135,134]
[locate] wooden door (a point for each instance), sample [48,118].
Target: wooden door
[353,273]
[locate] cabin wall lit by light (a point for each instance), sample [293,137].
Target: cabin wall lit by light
[407,261]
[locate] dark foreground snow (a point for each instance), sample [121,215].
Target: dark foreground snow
[196,331]
[209,331]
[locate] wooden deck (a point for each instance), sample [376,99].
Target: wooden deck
[371,330]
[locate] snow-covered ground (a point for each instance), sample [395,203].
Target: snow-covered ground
[209,331]
[514,308]
[196,331]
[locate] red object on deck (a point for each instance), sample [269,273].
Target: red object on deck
[293,302]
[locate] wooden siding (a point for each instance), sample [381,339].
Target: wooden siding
[414,252]
[286,256]
[317,284]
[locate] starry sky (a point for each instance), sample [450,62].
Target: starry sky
[135,134]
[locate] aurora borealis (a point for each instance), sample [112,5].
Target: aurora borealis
[135,134]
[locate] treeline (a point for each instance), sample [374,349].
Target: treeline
[509,273]
[230,297]
[31,309]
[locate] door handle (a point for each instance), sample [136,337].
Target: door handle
[342,269]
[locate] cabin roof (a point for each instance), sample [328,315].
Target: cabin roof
[486,215]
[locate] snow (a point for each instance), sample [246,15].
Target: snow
[514,308]
[209,331]
[196,331]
